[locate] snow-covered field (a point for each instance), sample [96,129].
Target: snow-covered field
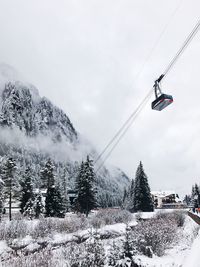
[100,241]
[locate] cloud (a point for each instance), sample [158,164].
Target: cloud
[84,56]
[62,151]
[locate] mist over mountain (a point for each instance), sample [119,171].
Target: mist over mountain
[32,130]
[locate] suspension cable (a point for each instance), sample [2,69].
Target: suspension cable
[181,50]
[136,77]
[139,109]
[121,132]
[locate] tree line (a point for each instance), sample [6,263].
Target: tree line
[56,202]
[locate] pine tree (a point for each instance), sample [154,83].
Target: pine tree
[142,195]
[54,202]
[47,174]
[34,206]
[28,209]
[86,201]
[195,196]
[128,198]
[26,189]
[9,182]
[38,206]
[1,198]
[64,190]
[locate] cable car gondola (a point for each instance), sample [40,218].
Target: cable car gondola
[162,100]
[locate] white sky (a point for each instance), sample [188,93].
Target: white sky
[84,56]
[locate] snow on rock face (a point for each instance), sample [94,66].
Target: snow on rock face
[40,130]
[19,109]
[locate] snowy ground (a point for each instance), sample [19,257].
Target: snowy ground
[184,254]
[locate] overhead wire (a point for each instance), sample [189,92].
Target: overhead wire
[169,67]
[133,116]
[139,110]
[136,77]
[183,47]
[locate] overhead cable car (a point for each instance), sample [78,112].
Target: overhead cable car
[162,100]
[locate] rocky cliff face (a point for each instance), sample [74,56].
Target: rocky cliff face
[20,110]
[32,129]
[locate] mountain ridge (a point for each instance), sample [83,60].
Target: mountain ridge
[33,129]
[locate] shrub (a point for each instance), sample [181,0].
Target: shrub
[177,216]
[47,226]
[111,216]
[40,259]
[13,229]
[155,234]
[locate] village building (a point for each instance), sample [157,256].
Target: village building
[166,199]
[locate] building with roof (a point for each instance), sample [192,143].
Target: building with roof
[166,199]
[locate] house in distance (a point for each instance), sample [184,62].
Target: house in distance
[166,199]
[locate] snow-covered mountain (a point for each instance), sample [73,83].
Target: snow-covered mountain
[32,129]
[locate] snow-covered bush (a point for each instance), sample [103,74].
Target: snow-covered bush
[13,229]
[154,234]
[48,226]
[178,216]
[41,259]
[119,254]
[111,216]
[88,254]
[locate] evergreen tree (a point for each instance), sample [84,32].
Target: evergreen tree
[9,181]
[195,196]
[187,200]
[64,183]
[28,209]
[38,206]
[34,206]
[26,189]
[86,201]
[1,198]
[47,174]
[142,195]
[128,198]
[54,202]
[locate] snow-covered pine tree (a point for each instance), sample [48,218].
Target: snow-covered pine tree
[26,189]
[54,206]
[128,198]
[142,194]
[9,182]
[64,184]
[132,188]
[86,200]
[34,206]
[1,198]
[28,209]
[54,203]
[38,206]
[47,174]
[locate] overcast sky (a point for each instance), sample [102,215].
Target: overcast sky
[84,55]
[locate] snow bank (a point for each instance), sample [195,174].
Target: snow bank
[193,258]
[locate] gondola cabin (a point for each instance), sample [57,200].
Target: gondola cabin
[162,102]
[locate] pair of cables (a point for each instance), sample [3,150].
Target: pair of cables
[127,124]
